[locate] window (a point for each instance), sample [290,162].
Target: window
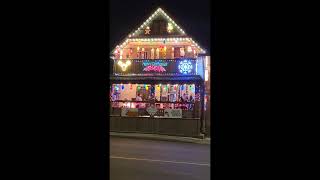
[182,53]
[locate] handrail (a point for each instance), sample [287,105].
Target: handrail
[158,59]
[154,102]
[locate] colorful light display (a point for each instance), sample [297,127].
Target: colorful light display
[157,66]
[154,68]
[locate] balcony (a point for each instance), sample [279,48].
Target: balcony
[178,66]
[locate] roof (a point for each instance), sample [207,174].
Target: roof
[159,79]
[136,35]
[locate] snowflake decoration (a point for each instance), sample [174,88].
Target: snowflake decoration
[185,67]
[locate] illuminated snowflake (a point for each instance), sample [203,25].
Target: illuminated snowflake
[185,67]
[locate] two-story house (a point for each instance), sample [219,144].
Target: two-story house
[157,81]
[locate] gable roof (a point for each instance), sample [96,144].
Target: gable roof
[136,34]
[158,13]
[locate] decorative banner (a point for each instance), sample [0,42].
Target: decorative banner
[173,113]
[129,112]
[152,111]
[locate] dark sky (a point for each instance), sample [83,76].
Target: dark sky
[192,16]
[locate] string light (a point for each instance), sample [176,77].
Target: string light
[169,27]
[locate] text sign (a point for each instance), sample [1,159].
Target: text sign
[155,63]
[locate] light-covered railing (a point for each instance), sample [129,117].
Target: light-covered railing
[188,109]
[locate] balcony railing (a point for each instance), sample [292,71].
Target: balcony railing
[178,66]
[189,109]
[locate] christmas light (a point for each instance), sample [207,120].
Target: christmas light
[189,49]
[124,65]
[169,27]
[185,67]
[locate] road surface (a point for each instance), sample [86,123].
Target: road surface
[138,159]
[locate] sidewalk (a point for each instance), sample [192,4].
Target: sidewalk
[161,137]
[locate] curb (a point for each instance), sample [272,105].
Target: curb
[162,137]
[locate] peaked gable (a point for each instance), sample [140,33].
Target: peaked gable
[158,24]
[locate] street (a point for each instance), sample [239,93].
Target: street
[138,159]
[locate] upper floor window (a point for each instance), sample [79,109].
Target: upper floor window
[182,53]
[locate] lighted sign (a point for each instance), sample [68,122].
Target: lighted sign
[156,66]
[185,67]
[124,65]
[155,63]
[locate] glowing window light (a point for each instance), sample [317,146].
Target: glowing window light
[189,49]
[185,67]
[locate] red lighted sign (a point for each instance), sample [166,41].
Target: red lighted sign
[154,68]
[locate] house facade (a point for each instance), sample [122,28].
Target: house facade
[158,81]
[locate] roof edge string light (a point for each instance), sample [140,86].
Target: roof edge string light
[145,23]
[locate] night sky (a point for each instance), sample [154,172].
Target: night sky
[192,16]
